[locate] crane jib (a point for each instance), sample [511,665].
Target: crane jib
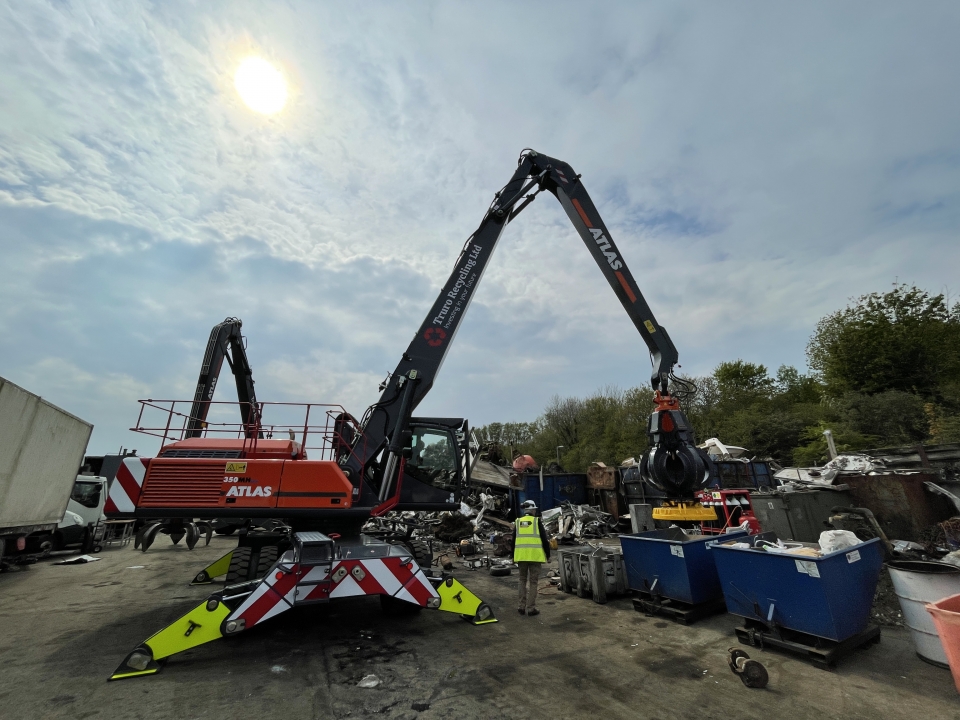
[427,350]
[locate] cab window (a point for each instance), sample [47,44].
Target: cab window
[86,493]
[433,459]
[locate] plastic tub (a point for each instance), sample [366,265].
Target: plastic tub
[946,617]
[672,564]
[828,596]
[916,584]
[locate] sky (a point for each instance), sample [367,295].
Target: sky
[759,164]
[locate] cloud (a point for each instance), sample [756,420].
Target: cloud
[757,168]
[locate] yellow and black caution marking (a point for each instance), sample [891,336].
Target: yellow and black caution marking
[684,511]
[213,570]
[455,598]
[199,626]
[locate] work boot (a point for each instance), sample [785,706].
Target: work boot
[522,611]
[533,611]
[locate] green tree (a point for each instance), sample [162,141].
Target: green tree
[906,340]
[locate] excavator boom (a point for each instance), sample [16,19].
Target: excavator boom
[225,343]
[681,467]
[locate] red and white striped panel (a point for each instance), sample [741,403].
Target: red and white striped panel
[394,576]
[125,488]
[271,597]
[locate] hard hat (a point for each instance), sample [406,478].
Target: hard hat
[528,505]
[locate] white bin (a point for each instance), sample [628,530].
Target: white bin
[917,583]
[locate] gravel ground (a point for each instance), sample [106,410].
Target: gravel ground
[65,629]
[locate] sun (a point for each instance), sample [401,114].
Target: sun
[261,86]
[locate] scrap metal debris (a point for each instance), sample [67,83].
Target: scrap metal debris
[750,672]
[79,560]
[574,523]
[369,681]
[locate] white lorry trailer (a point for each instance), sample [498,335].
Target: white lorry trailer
[41,451]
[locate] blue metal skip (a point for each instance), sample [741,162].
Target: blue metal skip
[829,596]
[557,489]
[672,564]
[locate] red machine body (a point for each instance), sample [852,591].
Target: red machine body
[733,509]
[232,476]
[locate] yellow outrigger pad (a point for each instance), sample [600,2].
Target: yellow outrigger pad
[455,598]
[199,626]
[213,570]
[684,511]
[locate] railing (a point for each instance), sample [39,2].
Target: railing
[323,431]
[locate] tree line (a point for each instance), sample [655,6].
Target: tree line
[884,371]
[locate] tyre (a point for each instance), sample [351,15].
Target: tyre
[500,571]
[87,545]
[420,549]
[268,556]
[239,566]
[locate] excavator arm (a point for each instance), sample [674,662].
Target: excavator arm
[681,467]
[225,343]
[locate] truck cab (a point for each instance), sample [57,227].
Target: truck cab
[80,526]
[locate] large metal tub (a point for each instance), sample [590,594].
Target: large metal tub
[672,564]
[830,596]
[557,489]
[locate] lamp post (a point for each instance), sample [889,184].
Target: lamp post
[559,448]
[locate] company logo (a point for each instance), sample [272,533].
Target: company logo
[249,491]
[213,386]
[434,336]
[604,244]
[236,467]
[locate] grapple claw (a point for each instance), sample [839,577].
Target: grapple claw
[193,535]
[149,535]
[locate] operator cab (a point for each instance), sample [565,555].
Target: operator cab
[436,464]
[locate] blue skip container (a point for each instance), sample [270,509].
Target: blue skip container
[557,489]
[672,564]
[828,596]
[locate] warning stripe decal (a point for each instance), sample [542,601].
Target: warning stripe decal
[395,576]
[271,601]
[125,489]
[583,215]
[625,286]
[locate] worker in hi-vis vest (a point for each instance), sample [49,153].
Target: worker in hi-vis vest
[531,550]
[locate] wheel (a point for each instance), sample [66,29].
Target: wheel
[268,556]
[754,674]
[420,549]
[87,545]
[500,571]
[239,566]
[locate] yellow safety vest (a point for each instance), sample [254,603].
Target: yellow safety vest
[528,547]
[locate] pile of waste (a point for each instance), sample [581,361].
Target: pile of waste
[571,523]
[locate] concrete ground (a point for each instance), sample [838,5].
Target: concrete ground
[65,629]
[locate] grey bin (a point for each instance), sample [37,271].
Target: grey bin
[797,516]
[592,572]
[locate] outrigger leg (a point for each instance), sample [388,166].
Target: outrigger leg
[289,583]
[213,570]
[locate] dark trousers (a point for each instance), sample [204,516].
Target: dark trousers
[529,577]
